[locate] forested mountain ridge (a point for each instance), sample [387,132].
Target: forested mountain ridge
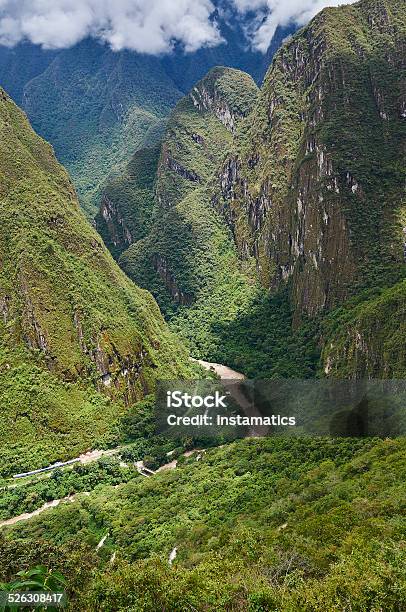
[78,340]
[199,130]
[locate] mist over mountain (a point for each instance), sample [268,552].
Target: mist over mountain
[150,26]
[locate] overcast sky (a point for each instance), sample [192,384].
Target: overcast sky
[147,26]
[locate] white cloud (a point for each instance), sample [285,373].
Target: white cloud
[147,26]
[281,13]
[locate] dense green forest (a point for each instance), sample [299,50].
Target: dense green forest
[266,524]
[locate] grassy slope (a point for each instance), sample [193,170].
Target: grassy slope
[259,525]
[69,315]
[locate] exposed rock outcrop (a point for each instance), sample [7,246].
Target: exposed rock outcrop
[367,340]
[127,202]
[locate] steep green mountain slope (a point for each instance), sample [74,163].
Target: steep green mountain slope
[367,338]
[316,189]
[127,202]
[78,341]
[182,253]
[198,132]
[189,260]
[97,107]
[21,64]
[258,525]
[188,236]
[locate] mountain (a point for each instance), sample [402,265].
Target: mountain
[306,190]
[187,233]
[98,107]
[19,65]
[269,225]
[78,340]
[188,259]
[314,189]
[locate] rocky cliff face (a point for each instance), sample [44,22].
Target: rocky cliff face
[315,188]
